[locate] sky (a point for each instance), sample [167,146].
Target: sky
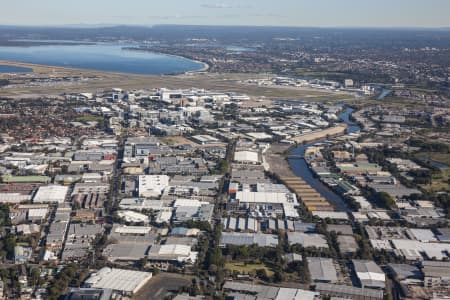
[303,13]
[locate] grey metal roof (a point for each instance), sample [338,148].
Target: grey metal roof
[262,240]
[366,266]
[345,290]
[291,257]
[436,268]
[307,240]
[403,271]
[322,269]
[172,240]
[340,229]
[261,291]
[125,251]
[347,243]
[304,227]
[85,229]
[89,293]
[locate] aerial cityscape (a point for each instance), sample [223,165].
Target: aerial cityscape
[235,150]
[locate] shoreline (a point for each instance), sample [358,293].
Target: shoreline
[204,66]
[35,67]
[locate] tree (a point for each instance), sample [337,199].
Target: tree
[278,276]
[212,270]
[383,199]
[35,275]
[69,275]
[4,215]
[303,272]
[155,271]
[202,225]
[142,262]
[262,274]
[9,243]
[193,289]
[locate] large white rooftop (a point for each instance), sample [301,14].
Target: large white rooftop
[132,229]
[132,216]
[188,203]
[434,249]
[183,250]
[266,197]
[246,156]
[13,198]
[152,185]
[51,193]
[118,280]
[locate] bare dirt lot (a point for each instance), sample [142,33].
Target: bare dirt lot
[332,131]
[276,159]
[161,285]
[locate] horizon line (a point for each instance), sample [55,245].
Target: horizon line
[106,25]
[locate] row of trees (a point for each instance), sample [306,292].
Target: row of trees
[7,245]
[71,275]
[429,145]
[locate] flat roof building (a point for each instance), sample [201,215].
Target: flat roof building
[250,157]
[173,252]
[51,194]
[348,292]
[423,235]
[126,252]
[248,291]
[132,216]
[140,204]
[369,274]
[247,239]
[152,185]
[322,269]
[132,234]
[340,229]
[404,271]
[266,197]
[88,293]
[336,215]
[205,139]
[122,281]
[347,244]
[436,273]
[307,239]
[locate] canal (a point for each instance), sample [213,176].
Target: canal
[301,169]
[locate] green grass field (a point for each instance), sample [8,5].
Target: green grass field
[90,119]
